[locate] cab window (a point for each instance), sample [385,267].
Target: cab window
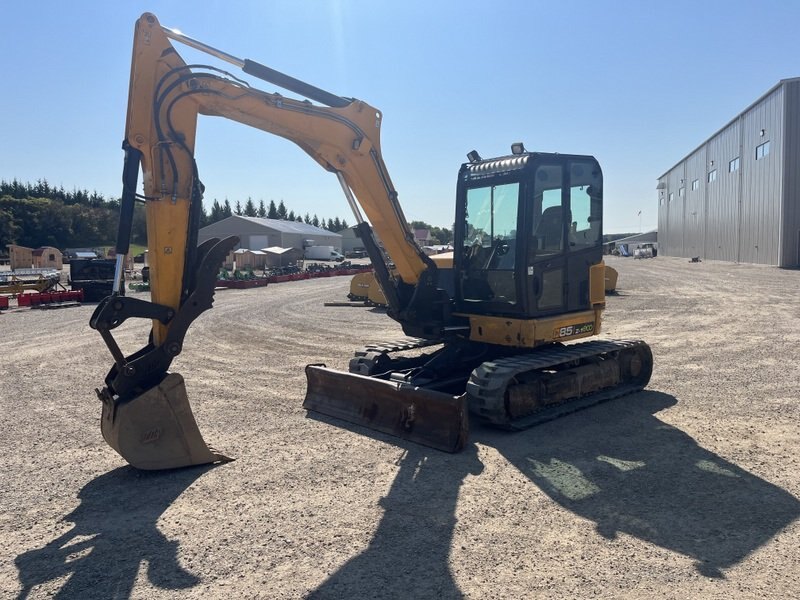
[585,206]
[548,212]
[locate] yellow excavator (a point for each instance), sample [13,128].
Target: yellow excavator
[490,328]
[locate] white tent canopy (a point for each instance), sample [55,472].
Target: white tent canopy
[276,250]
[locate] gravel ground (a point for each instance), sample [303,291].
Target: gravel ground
[688,489]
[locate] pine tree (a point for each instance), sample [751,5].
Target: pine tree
[262,211]
[307,219]
[250,208]
[299,219]
[95,199]
[216,212]
[272,213]
[337,225]
[226,211]
[238,210]
[329,226]
[344,225]
[291,215]
[315,221]
[18,190]
[282,210]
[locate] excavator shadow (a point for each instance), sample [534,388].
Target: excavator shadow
[114,532]
[408,556]
[627,471]
[615,464]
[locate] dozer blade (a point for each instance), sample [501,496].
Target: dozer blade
[156,430]
[416,414]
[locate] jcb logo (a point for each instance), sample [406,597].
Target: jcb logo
[151,436]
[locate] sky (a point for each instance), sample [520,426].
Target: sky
[636,84]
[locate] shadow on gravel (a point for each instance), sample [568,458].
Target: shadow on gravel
[115,532]
[629,472]
[409,552]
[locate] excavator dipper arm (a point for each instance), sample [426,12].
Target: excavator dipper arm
[146,414]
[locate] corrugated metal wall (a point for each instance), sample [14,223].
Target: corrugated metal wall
[738,215]
[762,181]
[295,240]
[694,218]
[255,236]
[722,196]
[790,251]
[671,213]
[235,226]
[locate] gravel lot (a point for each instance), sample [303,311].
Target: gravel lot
[688,489]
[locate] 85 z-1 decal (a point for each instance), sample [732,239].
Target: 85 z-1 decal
[571,330]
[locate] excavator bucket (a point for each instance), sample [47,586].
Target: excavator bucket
[157,430]
[423,416]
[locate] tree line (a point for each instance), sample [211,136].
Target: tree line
[439,235]
[279,211]
[39,214]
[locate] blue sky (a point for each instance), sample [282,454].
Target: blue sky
[637,84]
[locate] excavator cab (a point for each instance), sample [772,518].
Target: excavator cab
[529,229]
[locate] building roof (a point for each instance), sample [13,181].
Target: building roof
[248,251]
[728,124]
[648,236]
[289,226]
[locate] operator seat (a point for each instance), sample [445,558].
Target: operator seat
[550,231]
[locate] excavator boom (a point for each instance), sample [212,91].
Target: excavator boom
[146,413]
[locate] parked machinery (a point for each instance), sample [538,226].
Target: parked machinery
[495,319]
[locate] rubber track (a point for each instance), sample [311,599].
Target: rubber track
[488,383]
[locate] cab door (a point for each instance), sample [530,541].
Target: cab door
[546,264]
[489,282]
[565,204]
[584,230]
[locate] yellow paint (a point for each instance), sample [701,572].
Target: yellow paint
[529,333]
[443,260]
[344,139]
[597,284]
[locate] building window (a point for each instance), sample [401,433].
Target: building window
[681,192]
[695,184]
[733,165]
[712,176]
[671,196]
[762,150]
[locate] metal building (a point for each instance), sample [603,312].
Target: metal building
[737,196]
[256,233]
